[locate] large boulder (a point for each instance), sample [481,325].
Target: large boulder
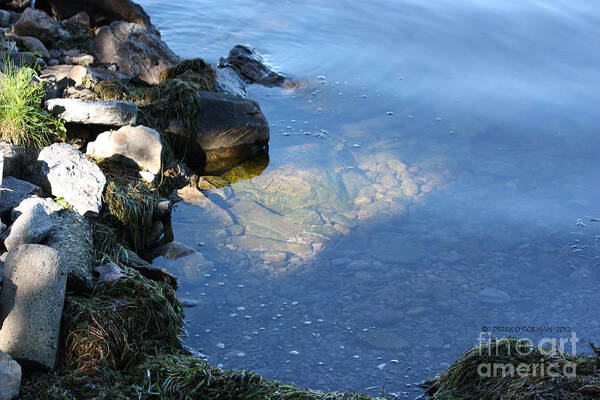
[32,298]
[109,113]
[139,145]
[229,127]
[136,50]
[14,191]
[10,377]
[102,11]
[38,24]
[65,172]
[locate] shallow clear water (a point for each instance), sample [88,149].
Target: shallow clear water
[436,173]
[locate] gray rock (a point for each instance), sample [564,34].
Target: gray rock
[150,271]
[109,273]
[6,18]
[49,206]
[137,51]
[139,145]
[67,75]
[37,23]
[232,127]
[101,11]
[81,18]
[494,296]
[230,83]
[31,227]
[81,59]
[109,113]
[10,377]
[34,45]
[21,59]
[32,298]
[173,250]
[251,66]
[71,236]
[63,171]
[14,191]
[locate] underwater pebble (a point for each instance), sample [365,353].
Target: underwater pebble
[381,366]
[240,354]
[390,113]
[394,361]
[294,352]
[220,346]
[307,322]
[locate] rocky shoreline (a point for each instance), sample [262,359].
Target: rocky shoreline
[123,129]
[86,207]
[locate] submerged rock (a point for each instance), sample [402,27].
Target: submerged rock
[139,145]
[10,377]
[110,113]
[64,171]
[136,50]
[251,67]
[173,250]
[32,296]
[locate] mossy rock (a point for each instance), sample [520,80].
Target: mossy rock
[194,70]
[467,377]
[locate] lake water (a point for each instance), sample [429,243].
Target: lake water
[436,173]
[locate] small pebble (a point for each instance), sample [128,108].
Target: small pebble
[294,352]
[220,346]
[381,366]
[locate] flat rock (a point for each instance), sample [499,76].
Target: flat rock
[14,191]
[71,236]
[139,145]
[32,298]
[64,171]
[174,250]
[150,271]
[36,23]
[110,113]
[494,296]
[138,51]
[10,377]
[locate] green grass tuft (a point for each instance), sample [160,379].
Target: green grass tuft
[23,121]
[120,324]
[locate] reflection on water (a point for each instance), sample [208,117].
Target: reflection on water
[436,174]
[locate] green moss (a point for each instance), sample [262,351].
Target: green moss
[79,37]
[129,204]
[120,324]
[184,377]
[23,121]
[115,90]
[194,70]
[462,380]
